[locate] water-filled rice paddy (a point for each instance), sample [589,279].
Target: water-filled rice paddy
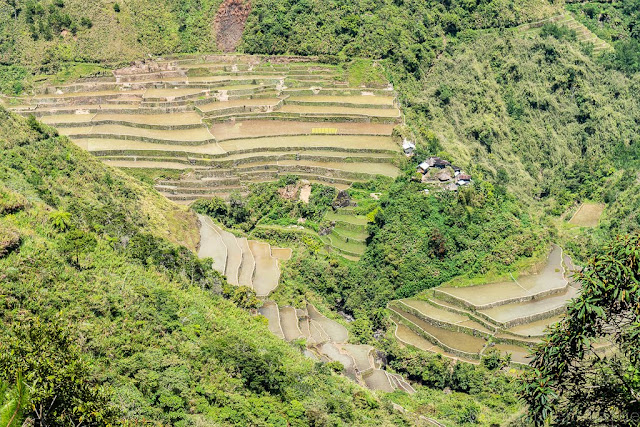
[114,144]
[443,316]
[282,254]
[148,164]
[234,256]
[360,354]
[456,340]
[378,380]
[289,323]
[356,142]
[248,102]
[333,353]
[186,118]
[196,134]
[67,118]
[549,279]
[512,312]
[211,244]
[536,328]
[333,329]
[270,310]
[248,264]
[267,273]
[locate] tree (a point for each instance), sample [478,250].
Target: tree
[61,388]
[76,243]
[571,382]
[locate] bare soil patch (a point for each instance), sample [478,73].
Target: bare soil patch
[229,23]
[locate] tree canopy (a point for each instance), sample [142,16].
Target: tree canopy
[588,371]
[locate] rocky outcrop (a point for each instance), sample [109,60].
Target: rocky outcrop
[229,23]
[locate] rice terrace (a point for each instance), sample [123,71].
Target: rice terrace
[228,121]
[319,213]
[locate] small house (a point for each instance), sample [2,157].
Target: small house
[423,167]
[444,176]
[437,162]
[408,147]
[463,179]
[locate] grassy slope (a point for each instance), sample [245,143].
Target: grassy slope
[54,170]
[139,28]
[173,353]
[536,107]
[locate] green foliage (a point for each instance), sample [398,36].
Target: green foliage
[77,243]
[14,402]
[336,366]
[558,31]
[148,320]
[116,7]
[62,391]
[60,220]
[570,381]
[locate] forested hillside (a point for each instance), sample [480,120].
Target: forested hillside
[83,248]
[101,267]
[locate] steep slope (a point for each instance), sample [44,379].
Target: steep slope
[146,313]
[56,172]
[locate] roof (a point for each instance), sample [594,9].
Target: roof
[424,166]
[437,161]
[408,144]
[464,177]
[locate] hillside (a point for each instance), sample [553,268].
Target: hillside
[435,170]
[146,314]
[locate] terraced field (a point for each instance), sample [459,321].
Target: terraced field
[464,322]
[584,35]
[349,234]
[228,121]
[326,340]
[245,262]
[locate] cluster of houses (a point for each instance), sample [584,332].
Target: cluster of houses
[442,173]
[441,169]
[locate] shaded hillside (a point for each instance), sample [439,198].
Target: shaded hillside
[146,314]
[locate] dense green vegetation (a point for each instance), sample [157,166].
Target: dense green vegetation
[571,382]
[141,316]
[617,22]
[540,121]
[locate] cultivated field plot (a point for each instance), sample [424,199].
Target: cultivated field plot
[260,128]
[343,142]
[339,111]
[463,323]
[238,103]
[325,340]
[588,215]
[549,280]
[251,117]
[245,262]
[328,99]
